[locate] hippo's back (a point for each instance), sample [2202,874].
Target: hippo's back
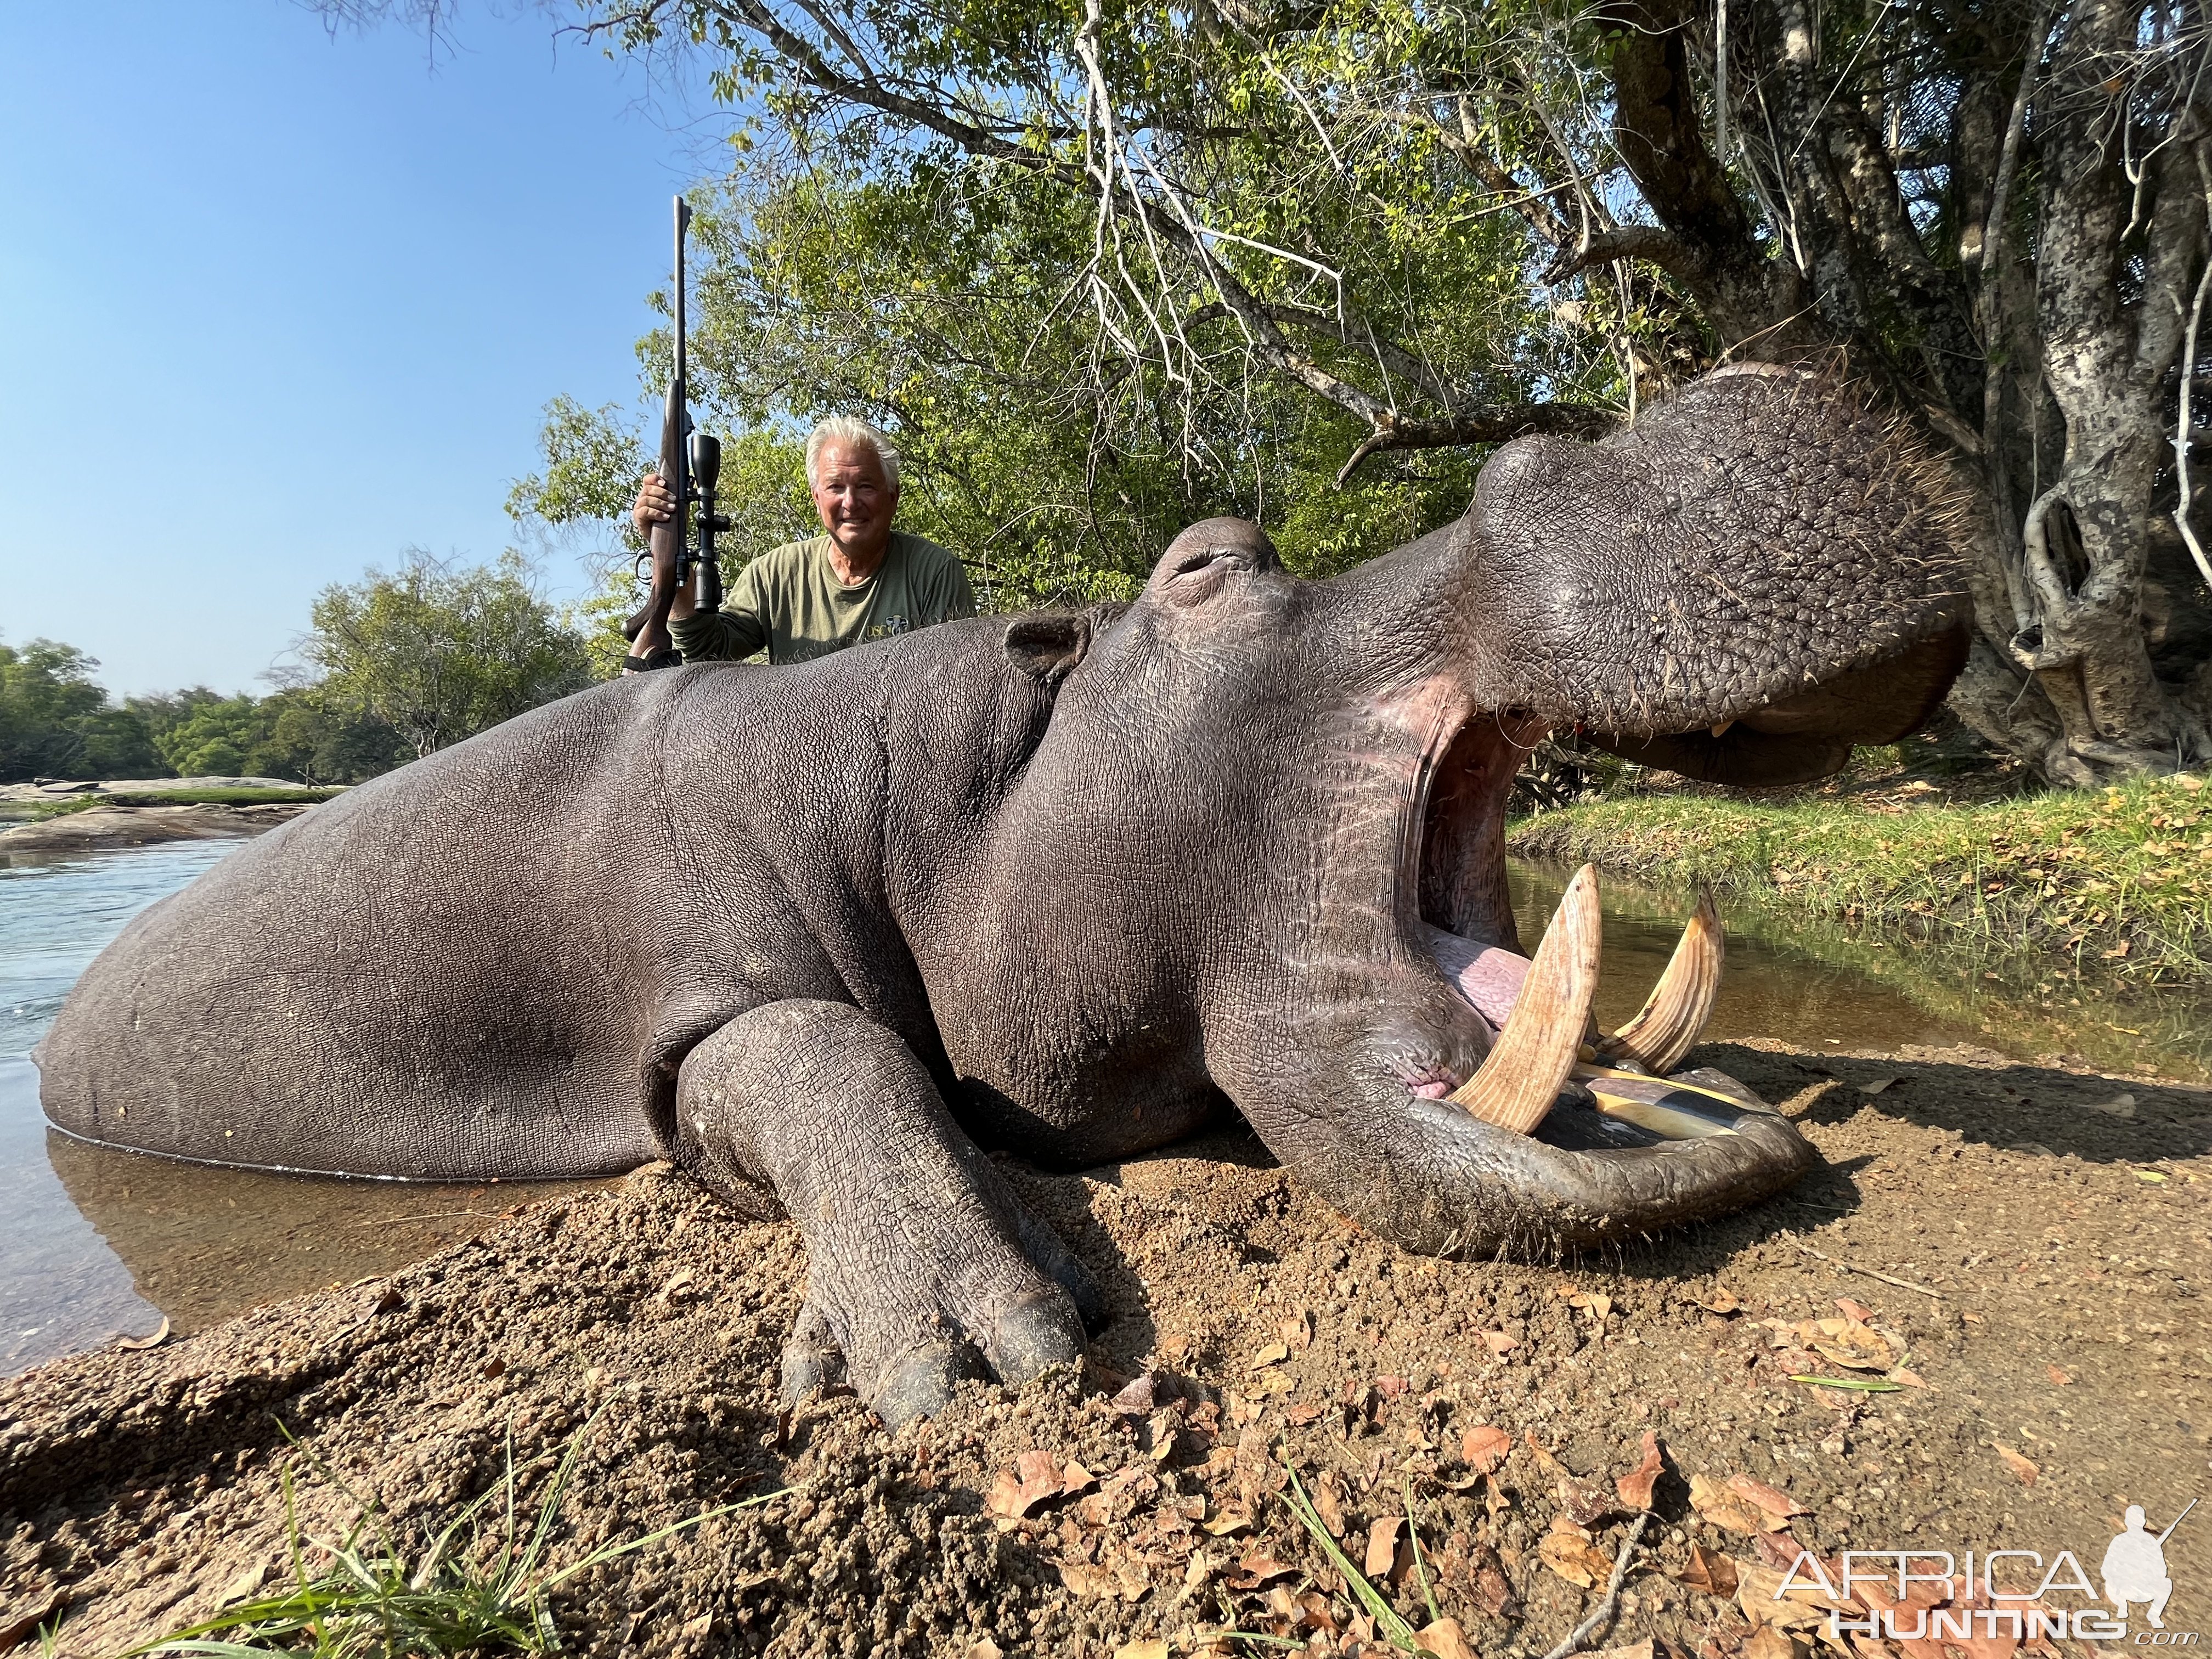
[373,988]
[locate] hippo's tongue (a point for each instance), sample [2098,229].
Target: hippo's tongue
[1488,975]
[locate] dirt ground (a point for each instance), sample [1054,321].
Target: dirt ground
[2058,1374]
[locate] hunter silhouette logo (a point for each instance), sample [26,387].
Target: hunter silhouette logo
[1912,1595]
[2135,1566]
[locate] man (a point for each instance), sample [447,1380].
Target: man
[862,580]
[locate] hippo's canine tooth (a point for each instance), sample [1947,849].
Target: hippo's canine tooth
[1668,1026]
[1533,1056]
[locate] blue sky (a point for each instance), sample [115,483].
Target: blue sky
[275,307]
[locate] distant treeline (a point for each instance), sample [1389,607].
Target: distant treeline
[401,664]
[56,721]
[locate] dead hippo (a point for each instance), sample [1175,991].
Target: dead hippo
[1072,886]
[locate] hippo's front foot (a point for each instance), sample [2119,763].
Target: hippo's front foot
[922,1268]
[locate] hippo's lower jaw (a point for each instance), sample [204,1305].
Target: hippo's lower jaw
[1560,1136]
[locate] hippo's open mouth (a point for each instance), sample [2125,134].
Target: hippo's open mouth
[1549,1071]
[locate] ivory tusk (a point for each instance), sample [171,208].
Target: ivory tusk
[1539,1046]
[1667,1026]
[1721,731]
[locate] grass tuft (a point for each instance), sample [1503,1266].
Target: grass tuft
[1389,1621]
[474,1587]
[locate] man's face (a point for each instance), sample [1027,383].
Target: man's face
[852,494]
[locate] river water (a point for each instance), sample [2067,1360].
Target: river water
[95,1243]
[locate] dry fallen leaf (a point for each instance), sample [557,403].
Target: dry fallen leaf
[1381,1545]
[1719,1300]
[1298,1331]
[1710,1572]
[1074,1478]
[1875,1085]
[1857,1311]
[1273,1354]
[1500,1344]
[1634,1651]
[1772,1499]
[2058,1376]
[1572,1557]
[1717,1504]
[1803,1607]
[1257,1569]
[26,1624]
[1593,1303]
[1635,1486]
[1151,1646]
[1016,1491]
[2018,1465]
[1768,1643]
[1484,1448]
[1446,1640]
[1136,1399]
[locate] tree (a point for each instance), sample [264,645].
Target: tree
[1445,224]
[55,721]
[438,654]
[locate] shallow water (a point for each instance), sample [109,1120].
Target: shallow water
[1827,986]
[94,1243]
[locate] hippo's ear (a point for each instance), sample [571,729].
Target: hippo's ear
[1048,647]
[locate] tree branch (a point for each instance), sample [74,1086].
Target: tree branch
[1496,424]
[1673,254]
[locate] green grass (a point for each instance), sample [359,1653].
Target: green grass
[477,1586]
[2117,881]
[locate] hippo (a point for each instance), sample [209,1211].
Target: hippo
[1071,886]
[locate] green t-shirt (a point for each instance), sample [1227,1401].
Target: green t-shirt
[790,600]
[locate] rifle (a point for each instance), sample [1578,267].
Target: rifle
[690,466]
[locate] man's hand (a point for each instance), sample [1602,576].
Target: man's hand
[656,504]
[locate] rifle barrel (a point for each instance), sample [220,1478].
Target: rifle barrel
[2177,1520]
[683,224]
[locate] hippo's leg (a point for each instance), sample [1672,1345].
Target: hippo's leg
[921,1266]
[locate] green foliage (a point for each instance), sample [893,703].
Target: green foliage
[593,460]
[922,302]
[55,720]
[438,655]
[2115,882]
[300,732]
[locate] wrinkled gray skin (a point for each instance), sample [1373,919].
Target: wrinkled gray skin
[1070,886]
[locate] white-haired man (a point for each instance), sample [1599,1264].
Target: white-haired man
[862,580]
